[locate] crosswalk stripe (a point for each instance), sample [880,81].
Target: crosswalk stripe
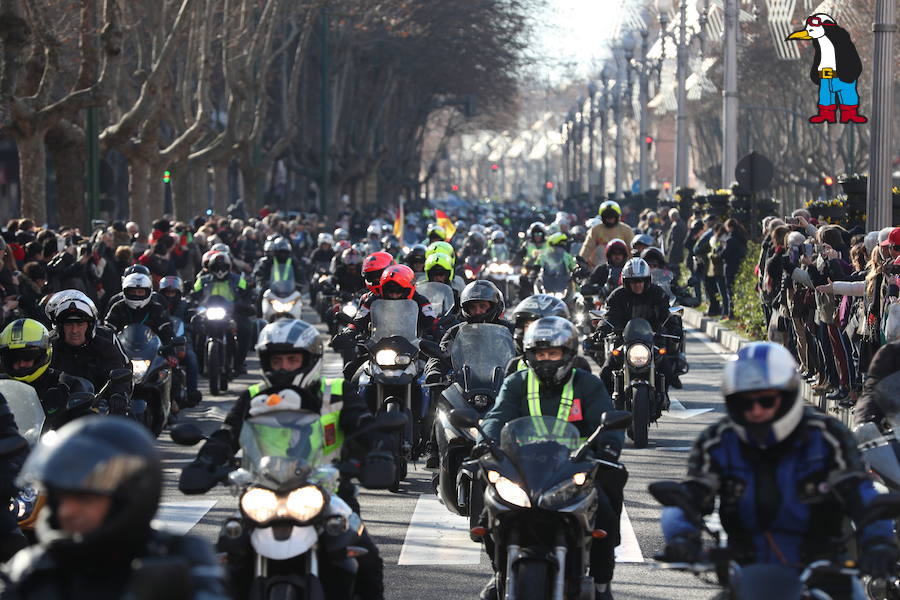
[180,517]
[678,411]
[436,536]
[629,550]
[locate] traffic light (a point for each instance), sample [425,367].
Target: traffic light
[828,180]
[454,188]
[649,141]
[667,185]
[548,185]
[167,176]
[495,167]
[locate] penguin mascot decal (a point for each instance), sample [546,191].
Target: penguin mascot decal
[835,69]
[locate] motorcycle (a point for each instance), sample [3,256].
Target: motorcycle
[554,277]
[281,301]
[766,581]
[179,376]
[390,376]
[540,501]
[151,399]
[294,529]
[441,297]
[504,276]
[472,267]
[478,356]
[216,342]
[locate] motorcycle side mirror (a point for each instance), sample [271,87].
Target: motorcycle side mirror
[120,375]
[186,434]
[676,310]
[390,421]
[672,493]
[240,477]
[429,348]
[78,400]
[883,506]
[615,419]
[343,318]
[464,418]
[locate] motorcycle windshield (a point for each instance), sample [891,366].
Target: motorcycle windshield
[283,288]
[663,278]
[538,446]
[887,395]
[211,299]
[278,445]
[394,318]
[638,330]
[26,408]
[139,342]
[501,253]
[879,452]
[439,294]
[554,270]
[485,348]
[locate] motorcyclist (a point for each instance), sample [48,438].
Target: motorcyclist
[527,312]
[499,249]
[140,270]
[373,266]
[434,233]
[415,259]
[13,452]
[84,348]
[231,287]
[610,228]
[443,270]
[605,276]
[783,475]
[641,242]
[291,358]
[170,288]
[138,306]
[373,239]
[551,385]
[557,244]
[637,297]
[102,477]
[277,265]
[535,243]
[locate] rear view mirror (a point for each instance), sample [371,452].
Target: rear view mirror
[463,418]
[672,493]
[186,434]
[120,375]
[79,400]
[429,348]
[615,419]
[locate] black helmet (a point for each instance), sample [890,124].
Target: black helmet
[141,269]
[536,228]
[482,290]
[282,249]
[653,254]
[551,332]
[110,456]
[416,254]
[533,308]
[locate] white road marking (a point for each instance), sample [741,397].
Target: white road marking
[629,550]
[436,536]
[675,448]
[180,517]
[716,348]
[678,411]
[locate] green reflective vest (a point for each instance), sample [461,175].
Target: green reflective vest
[282,272]
[533,387]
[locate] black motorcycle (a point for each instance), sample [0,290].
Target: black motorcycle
[767,581]
[216,342]
[151,399]
[295,535]
[540,502]
[478,357]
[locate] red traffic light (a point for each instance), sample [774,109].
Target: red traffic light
[549,185]
[667,185]
[648,140]
[454,188]
[494,167]
[829,180]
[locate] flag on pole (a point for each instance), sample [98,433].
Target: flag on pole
[444,221]
[399,220]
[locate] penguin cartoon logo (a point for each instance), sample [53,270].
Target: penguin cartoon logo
[835,69]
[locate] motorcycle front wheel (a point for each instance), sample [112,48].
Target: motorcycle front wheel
[214,367]
[640,416]
[533,579]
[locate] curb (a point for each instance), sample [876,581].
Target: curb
[733,341]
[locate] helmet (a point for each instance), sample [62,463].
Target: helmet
[281,247]
[578,233]
[133,282]
[498,237]
[610,207]
[763,366]
[220,266]
[416,254]
[536,228]
[435,229]
[613,245]
[341,234]
[171,283]
[486,291]
[441,248]
[341,246]
[351,256]
[373,266]
[533,308]
[593,222]
[475,239]
[25,339]
[373,229]
[477,228]
[287,336]
[436,263]
[111,456]
[325,238]
[655,254]
[557,239]
[208,256]
[267,248]
[69,306]
[141,269]
[551,332]
[636,269]
[220,247]
[642,239]
[398,278]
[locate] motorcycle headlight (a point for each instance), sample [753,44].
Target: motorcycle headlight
[638,356]
[559,295]
[139,368]
[282,306]
[259,504]
[216,313]
[350,310]
[470,274]
[512,492]
[564,491]
[305,503]
[386,357]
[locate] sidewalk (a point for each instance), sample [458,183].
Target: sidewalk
[733,341]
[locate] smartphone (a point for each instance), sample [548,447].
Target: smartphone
[792,220]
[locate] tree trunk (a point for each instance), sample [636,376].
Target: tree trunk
[250,182]
[157,191]
[138,192]
[181,190]
[199,190]
[65,144]
[33,175]
[220,188]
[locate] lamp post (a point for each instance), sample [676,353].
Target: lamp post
[730,94]
[604,125]
[879,205]
[579,153]
[564,138]
[592,91]
[643,67]
[618,92]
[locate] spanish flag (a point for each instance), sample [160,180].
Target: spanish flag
[399,221]
[444,221]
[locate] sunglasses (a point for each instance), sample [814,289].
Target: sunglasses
[816,22]
[746,404]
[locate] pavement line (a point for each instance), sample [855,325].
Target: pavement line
[678,411]
[436,536]
[716,348]
[180,517]
[629,550]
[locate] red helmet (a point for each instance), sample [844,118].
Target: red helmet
[399,277]
[373,266]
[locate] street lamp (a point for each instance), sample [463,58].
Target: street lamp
[592,91]
[644,68]
[621,75]
[604,125]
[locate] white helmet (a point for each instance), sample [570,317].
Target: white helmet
[220,247]
[286,336]
[325,238]
[341,234]
[137,281]
[636,268]
[70,300]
